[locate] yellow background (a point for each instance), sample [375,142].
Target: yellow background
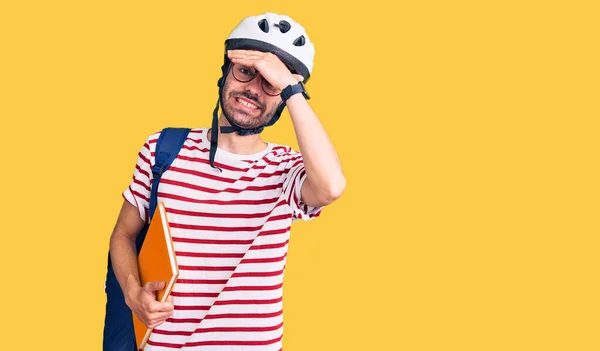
[468,133]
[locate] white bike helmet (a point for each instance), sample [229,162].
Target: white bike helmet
[278,34]
[269,32]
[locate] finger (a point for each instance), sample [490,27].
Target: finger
[238,54]
[246,53]
[169,303]
[154,286]
[156,306]
[299,77]
[244,61]
[243,58]
[159,317]
[252,57]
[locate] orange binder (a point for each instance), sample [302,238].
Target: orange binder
[156,262]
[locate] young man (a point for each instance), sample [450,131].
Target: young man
[231,199]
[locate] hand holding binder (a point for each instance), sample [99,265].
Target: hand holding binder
[158,272]
[147,308]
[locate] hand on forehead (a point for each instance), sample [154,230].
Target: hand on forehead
[249,52]
[249,57]
[275,71]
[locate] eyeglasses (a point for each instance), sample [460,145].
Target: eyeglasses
[245,74]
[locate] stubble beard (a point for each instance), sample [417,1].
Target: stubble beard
[243,118]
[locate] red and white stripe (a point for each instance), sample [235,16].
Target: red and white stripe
[231,233]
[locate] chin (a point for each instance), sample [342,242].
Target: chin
[244,120]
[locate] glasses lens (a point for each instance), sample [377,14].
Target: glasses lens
[270,89]
[243,73]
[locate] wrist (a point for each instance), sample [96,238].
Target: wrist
[287,83]
[291,90]
[132,284]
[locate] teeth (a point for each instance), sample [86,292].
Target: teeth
[246,103]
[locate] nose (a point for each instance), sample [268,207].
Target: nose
[255,85]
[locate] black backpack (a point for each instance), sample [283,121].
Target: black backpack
[119,334]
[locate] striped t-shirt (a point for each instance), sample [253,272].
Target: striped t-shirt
[231,232]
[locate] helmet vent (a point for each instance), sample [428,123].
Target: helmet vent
[284,26]
[264,25]
[300,41]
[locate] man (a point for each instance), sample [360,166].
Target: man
[231,199]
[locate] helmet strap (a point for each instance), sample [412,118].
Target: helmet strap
[233,128]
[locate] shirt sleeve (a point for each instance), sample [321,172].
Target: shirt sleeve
[292,189]
[138,191]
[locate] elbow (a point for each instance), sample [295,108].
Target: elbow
[324,193]
[335,191]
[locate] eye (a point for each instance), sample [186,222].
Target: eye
[246,71]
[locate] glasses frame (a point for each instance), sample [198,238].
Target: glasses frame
[256,73]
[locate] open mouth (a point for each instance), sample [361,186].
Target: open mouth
[247,104]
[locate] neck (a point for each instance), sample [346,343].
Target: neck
[237,144]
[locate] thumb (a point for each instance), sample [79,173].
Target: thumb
[154,286]
[299,77]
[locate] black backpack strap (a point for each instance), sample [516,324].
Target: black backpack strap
[168,145]
[119,334]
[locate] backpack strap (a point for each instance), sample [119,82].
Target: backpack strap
[119,334]
[168,145]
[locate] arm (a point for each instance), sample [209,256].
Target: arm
[325,181]
[141,300]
